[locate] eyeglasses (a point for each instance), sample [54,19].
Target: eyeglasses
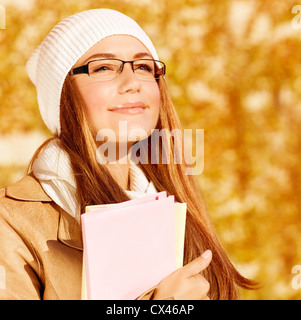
[109,69]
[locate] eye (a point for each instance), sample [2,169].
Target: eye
[102,68]
[144,67]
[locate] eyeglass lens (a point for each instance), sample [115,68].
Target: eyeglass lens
[145,69]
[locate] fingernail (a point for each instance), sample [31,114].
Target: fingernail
[206,254]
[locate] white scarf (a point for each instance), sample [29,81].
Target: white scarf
[52,168]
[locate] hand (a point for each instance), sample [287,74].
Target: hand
[186,283]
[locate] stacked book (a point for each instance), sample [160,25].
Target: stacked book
[129,247]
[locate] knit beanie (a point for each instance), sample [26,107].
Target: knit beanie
[51,61]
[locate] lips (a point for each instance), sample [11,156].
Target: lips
[129,107]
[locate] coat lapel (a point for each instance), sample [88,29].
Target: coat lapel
[69,231]
[29,189]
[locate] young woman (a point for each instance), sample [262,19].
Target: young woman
[93,71]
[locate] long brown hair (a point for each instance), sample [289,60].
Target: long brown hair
[95,185]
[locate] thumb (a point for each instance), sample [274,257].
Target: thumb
[198,264]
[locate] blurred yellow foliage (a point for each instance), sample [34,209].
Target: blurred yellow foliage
[232,70]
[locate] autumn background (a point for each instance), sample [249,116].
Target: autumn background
[234,70]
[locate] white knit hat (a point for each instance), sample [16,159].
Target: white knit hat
[50,63]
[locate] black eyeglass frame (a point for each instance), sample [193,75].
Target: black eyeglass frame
[85,68]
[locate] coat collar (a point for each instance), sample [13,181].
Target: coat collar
[29,189]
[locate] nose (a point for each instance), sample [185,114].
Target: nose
[128,81]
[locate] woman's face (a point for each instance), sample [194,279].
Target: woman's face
[125,98]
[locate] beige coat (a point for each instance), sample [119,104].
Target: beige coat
[40,246]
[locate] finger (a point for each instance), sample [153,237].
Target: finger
[199,264]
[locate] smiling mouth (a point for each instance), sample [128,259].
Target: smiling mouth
[130,108]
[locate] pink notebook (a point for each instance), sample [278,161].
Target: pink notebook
[129,247]
[114,206]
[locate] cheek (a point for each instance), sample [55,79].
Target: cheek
[94,99]
[154,99]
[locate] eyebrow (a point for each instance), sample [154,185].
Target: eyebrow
[111,55]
